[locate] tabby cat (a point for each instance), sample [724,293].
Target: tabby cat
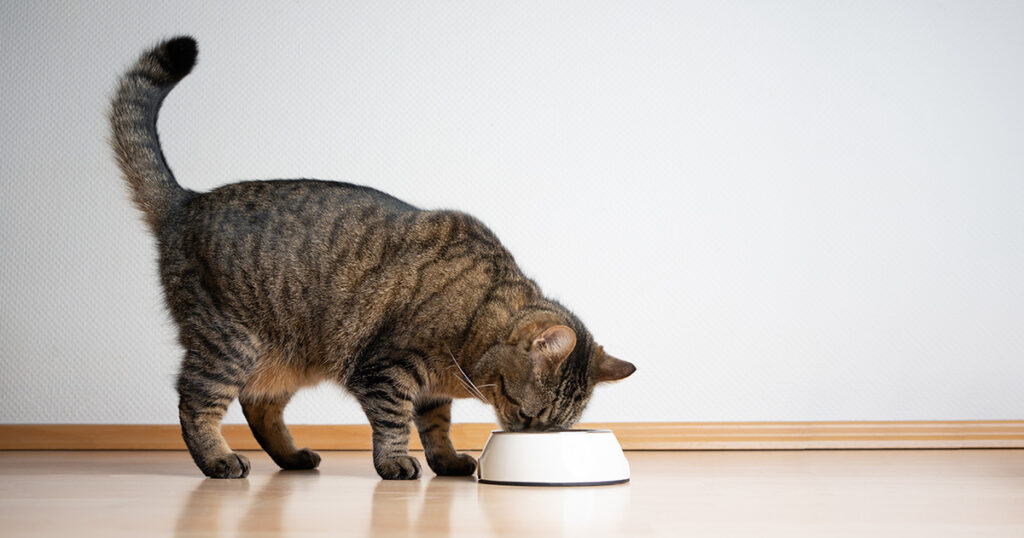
[279,285]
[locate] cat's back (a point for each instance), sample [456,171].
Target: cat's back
[281,212]
[299,198]
[254,232]
[309,233]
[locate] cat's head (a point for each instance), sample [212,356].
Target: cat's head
[543,376]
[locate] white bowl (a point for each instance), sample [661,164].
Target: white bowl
[565,458]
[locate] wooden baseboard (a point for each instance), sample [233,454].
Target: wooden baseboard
[632,435]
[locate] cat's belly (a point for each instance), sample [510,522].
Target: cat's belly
[273,379]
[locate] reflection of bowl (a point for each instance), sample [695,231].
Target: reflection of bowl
[568,512]
[565,458]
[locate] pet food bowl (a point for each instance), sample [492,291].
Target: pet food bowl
[563,458]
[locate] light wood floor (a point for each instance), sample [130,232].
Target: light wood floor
[794,493]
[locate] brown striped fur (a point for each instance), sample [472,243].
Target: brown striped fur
[280,285]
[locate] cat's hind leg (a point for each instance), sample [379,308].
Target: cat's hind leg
[390,419]
[266,419]
[383,390]
[208,382]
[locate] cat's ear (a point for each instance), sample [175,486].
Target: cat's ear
[612,369]
[551,347]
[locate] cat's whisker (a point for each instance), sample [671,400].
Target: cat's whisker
[465,385]
[467,388]
[470,390]
[477,392]
[471,387]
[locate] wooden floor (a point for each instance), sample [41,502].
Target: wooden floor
[786,493]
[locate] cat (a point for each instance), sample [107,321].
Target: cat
[279,285]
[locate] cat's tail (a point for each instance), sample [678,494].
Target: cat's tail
[133,126]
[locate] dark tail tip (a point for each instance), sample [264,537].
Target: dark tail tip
[177,56]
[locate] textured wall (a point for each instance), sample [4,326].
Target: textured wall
[795,211]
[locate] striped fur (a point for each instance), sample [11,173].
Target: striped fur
[279,285]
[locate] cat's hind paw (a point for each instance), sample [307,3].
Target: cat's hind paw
[231,465]
[398,468]
[456,465]
[302,459]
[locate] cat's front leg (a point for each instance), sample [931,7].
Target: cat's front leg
[433,419]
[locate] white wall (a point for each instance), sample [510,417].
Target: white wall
[779,211]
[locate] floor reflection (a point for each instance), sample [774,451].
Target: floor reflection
[310,502]
[265,513]
[555,511]
[400,506]
[202,511]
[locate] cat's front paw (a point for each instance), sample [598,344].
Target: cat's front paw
[455,465]
[398,468]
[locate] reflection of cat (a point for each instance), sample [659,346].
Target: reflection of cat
[401,507]
[202,513]
[277,285]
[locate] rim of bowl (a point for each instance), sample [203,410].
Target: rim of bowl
[560,432]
